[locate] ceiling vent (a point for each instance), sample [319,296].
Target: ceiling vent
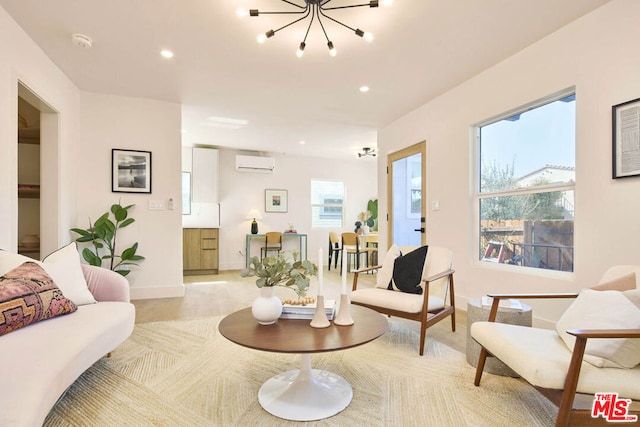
[255,164]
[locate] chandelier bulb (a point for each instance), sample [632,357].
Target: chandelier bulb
[263,37]
[332,49]
[368,37]
[387,2]
[300,51]
[241,13]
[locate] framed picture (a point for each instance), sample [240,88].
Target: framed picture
[626,139]
[275,201]
[130,171]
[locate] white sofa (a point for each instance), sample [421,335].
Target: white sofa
[40,361]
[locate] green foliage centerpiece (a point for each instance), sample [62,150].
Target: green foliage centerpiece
[102,235]
[279,271]
[275,271]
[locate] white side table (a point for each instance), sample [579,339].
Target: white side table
[476,312]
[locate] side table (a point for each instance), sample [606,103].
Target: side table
[476,312]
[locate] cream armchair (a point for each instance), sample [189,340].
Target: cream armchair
[435,303]
[571,375]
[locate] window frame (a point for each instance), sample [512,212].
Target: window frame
[322,206]
[477,195]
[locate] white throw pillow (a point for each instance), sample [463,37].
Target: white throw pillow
[63,266]
[65,269]
[9,261]
[386,272]
[604,310]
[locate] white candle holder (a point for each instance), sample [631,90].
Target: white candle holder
[320,319]
[343,317]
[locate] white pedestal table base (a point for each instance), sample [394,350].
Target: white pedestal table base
[306,394]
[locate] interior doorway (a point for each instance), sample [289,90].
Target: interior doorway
[406,181]
[38,175]
[28,179]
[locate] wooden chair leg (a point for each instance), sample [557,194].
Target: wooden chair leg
[423,333]
[481,359]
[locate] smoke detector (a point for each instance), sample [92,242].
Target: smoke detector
[366,151]
[81,40]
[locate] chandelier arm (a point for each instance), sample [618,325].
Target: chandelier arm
[282,13]
[310,22]
[293,22]
[322,25]
[370,4]
[334,20]
[296,5]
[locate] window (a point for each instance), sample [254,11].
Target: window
[525,186]
[327,201]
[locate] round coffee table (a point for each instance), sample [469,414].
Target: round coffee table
[305,394]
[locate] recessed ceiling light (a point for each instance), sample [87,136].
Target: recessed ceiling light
[166,53]
[364,89]
[301,142]
[226,122]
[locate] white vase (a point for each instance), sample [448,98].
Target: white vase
[365,230]
[267,308]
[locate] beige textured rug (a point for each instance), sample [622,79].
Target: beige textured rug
[184,373]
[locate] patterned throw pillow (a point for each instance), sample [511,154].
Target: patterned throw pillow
[28,295]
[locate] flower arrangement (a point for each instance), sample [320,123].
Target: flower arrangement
[279,271]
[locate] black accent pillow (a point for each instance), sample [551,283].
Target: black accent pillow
[407,271]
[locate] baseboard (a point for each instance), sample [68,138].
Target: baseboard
[157,292]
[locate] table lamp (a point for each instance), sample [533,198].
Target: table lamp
[253,214]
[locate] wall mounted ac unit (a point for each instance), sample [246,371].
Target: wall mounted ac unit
[255,164]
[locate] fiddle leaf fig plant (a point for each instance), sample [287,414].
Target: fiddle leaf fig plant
[102,236]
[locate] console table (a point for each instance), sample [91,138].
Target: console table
[305,394]
[302,244]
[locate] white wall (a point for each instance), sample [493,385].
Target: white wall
[240,192]
[109,122]
[22,60]
[598,55]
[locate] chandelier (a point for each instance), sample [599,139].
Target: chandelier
[316,9]
[367,151]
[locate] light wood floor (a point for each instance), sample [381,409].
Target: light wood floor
[224,293]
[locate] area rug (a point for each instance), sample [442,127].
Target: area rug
[184,373]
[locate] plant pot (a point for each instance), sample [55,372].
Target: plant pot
[267,308]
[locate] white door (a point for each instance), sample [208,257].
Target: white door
[406,183]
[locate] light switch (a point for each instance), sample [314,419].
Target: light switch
[435,205]
[156,205]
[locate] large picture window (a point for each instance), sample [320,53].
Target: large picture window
[327,201]
[525,185]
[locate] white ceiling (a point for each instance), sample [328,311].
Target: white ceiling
[422,48]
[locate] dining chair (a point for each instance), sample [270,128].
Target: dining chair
[272,242]
[354,248]
[335,249]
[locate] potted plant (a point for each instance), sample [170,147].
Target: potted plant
[278,271]
[102,235]
[372,211]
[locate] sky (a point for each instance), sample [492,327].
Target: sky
[542,136]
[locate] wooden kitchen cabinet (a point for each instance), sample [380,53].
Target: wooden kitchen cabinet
[200,251]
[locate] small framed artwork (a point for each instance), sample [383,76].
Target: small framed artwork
[130,171]
[626,139]
[275,201]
